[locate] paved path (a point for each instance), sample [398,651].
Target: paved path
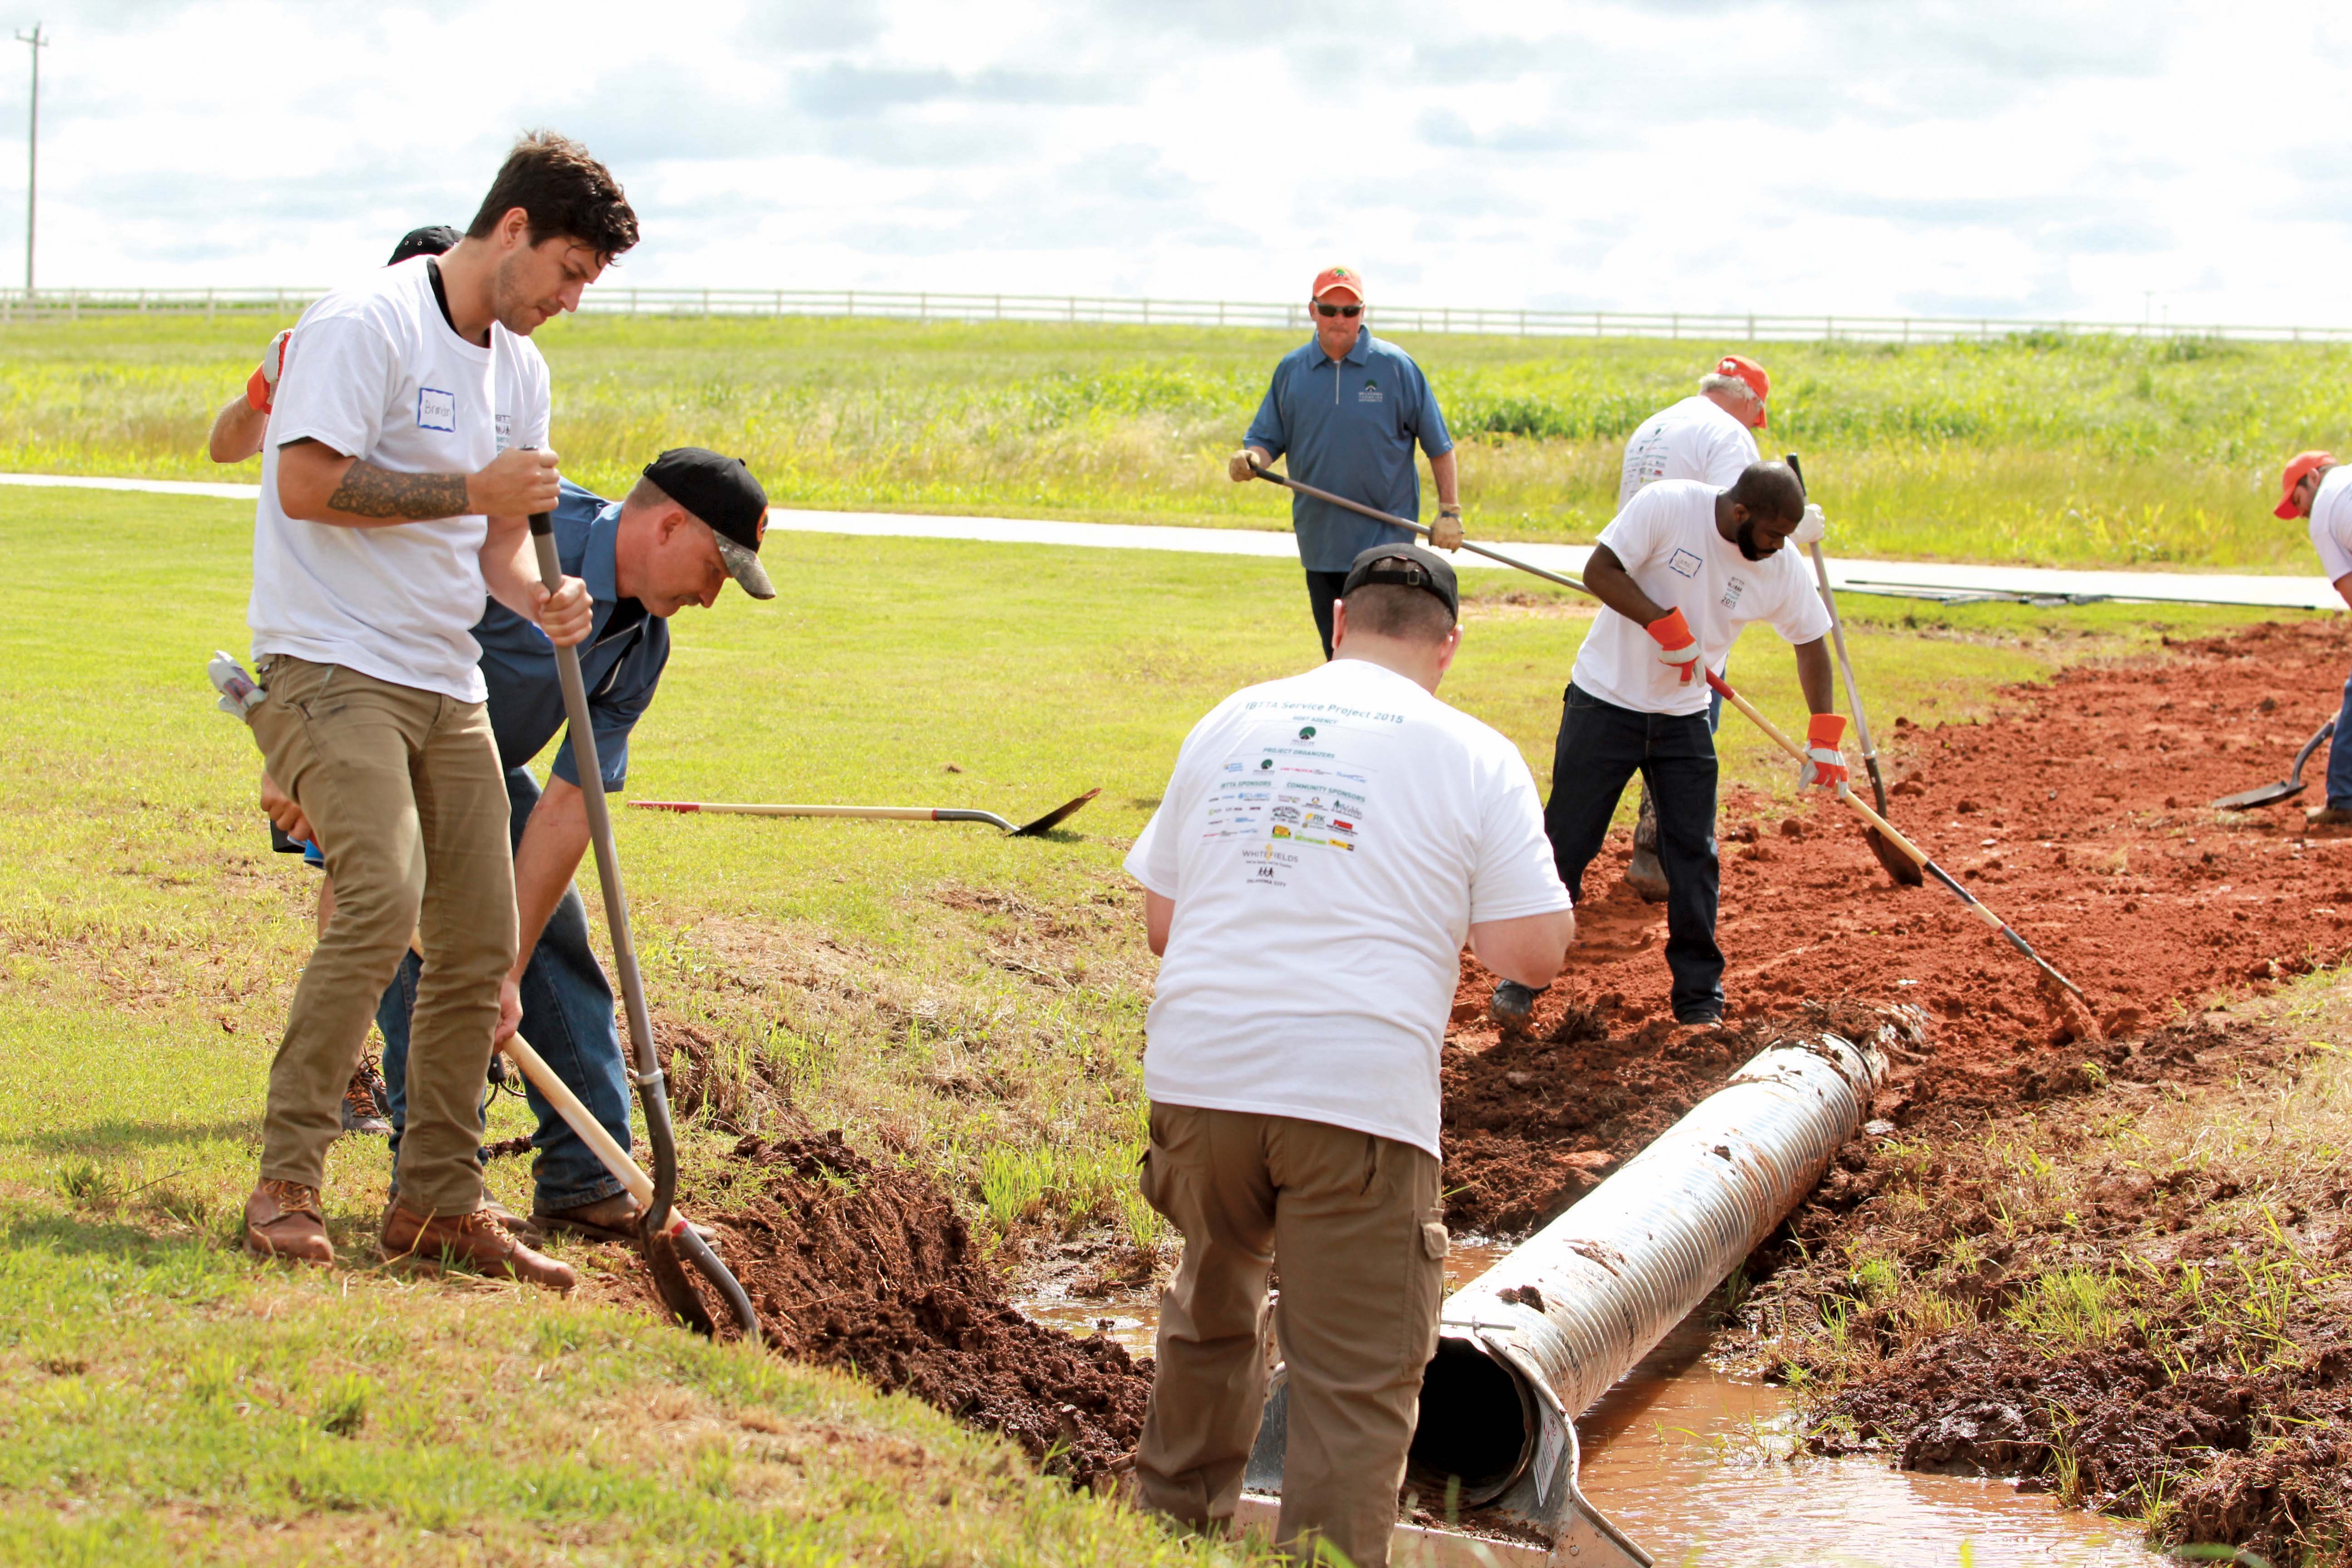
[1915,578]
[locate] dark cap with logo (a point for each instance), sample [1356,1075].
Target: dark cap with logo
[722,493]
[438,240]
[1405,566]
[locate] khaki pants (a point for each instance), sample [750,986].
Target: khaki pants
[1357,1222]
[404,789]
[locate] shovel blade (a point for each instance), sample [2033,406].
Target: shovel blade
[679,1296]
[1055,817]
[2254,799]
[1899,866]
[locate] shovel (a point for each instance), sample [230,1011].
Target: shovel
[664,1237]
[881,813]
[1898,866]
[2286,789]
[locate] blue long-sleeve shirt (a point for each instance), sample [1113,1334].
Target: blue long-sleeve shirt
[1349,427]
[621,662]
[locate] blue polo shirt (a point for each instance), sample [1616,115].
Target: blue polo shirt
[1349,428]
[621,662]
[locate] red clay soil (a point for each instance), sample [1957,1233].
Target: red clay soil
[871,1269]
[2078,814]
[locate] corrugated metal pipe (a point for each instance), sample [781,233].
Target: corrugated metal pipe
[1535,1340]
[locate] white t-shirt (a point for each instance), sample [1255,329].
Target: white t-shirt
[2331,521]
[374,370]
[1693,439]
[1328,840]
[1666,537]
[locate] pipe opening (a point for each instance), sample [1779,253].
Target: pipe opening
[1477,1423]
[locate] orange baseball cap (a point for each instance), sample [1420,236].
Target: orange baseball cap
[2305,464]
[1331,278]
[1748,371]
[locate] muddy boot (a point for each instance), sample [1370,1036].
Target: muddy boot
[475,1241]
[606,1219]
[282,1220]
[1513,1005]
[516,1225]
[363,1101]
[1644,874]
[2328,816]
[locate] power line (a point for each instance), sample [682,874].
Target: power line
[39,41]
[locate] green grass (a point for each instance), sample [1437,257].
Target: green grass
[2052,450]
[966,1004]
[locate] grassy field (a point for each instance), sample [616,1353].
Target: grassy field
[2055,451]
[970,1005]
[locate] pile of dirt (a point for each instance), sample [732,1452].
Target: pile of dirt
[2077,813]
[871,1269]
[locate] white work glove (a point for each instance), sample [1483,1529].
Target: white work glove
[261,386]
[1240,467]
[1446,533]
[1810,532]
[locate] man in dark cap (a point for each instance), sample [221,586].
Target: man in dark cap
[1324,848]
[691,522]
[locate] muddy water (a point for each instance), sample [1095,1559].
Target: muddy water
[1697,1465]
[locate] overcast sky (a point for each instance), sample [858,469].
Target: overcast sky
[1977,157]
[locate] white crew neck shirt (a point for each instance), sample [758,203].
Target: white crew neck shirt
[1328,840]
[2331,521]
[1666,536]
[375,371]
[1693,439]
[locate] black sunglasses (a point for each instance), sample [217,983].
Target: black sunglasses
[1351,311]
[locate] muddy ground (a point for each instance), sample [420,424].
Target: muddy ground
[2077,813]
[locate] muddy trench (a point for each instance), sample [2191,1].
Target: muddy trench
[2077,813]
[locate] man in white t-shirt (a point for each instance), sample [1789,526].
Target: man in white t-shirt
[407,446]
[1678,573]
[1707,437]
[2315,486]
[1324,845]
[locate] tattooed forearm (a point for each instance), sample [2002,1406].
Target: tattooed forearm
[367,491]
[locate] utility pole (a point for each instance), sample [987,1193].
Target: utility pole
[39,41]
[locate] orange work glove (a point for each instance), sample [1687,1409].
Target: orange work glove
[1824,765]
[1675,645]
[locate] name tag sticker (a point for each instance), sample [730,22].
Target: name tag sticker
[436,409]
[1683,564]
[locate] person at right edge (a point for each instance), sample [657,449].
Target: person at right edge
[1324,845]
[2317,486]
[1679,572]
[406,450]
[1349,409]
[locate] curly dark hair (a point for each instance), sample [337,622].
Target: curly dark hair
[561,191]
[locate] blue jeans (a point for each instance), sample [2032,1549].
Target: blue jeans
[567,1016]
[1602,746]
[2339,756]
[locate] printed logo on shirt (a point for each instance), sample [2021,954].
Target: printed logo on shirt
[1371,393]
[1307,732]
[1683,564]
[1732,589]
[505,431]
[436,409]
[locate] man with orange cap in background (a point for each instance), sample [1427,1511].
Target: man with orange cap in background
[1349,409]
[1706,436]
[2315,486]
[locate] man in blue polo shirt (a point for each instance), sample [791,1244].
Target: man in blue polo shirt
[1349,409]
[694,519]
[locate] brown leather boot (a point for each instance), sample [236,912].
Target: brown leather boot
[475,1241]
[607,1219]
[282,1220]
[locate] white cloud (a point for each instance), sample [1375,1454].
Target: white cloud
[2093,159]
